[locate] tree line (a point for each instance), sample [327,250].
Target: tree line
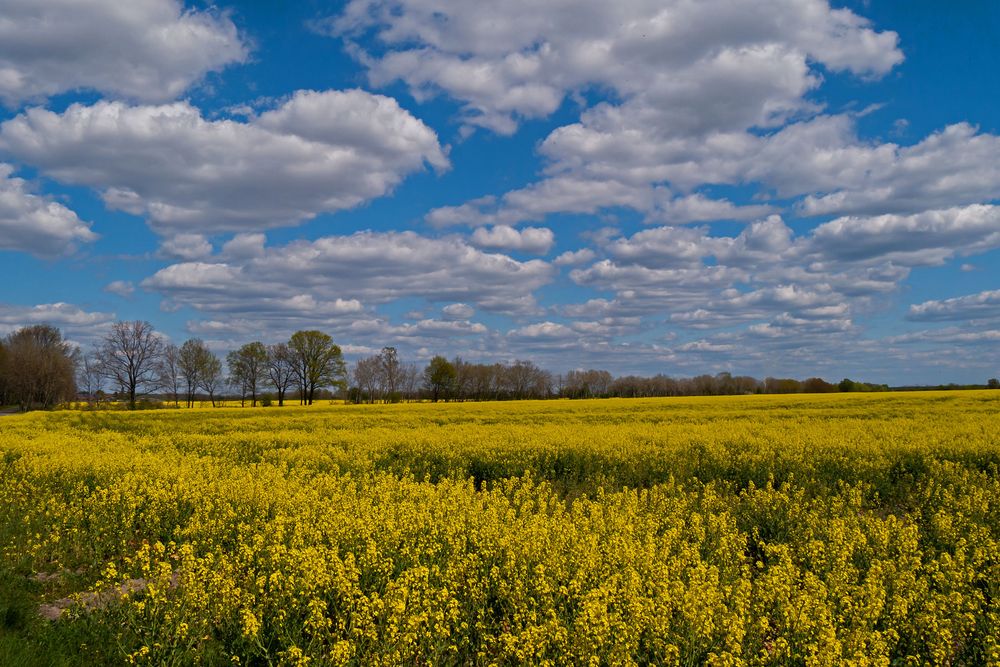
[131,363]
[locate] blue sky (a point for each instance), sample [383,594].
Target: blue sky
[664,186]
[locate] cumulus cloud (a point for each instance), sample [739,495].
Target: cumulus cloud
[458,311]
[926,238]
[185,246]
[951,336]
[536,240]
[572,257]
[36,224]
[777,283]
[511,61]
[698,208]
[122,288]
[73,320]
[149,50]
[244,246]
[704,93]
[971,307]
[840,174]
[331,277]
[317,152]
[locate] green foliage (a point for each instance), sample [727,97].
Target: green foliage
[439,378]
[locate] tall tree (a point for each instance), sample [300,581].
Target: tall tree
[318,363]
[192,359]
[5,397]
[39,367]
[439,377]
[366,376]
[129,354]
[212,379]
[89,378]
[409,382]
[248,369]
[280,370]
[169,372]
[390,373]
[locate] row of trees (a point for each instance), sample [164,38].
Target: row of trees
[134,359]
[460,380]
[131,360]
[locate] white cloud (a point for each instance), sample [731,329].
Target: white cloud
[973,306]
[244,246]
[554,195]
[543,330]
[122,288]
[951,336]
[841,174]
[573,257]
[777,285]
[926,238]
[321,278]
[149,50]
[73,320]
[536,240]
[318,152]
[33,223]
[520,59]
[458,311]
[429,328]
[698,208]
[186,246]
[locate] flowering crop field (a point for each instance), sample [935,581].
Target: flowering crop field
[761,530]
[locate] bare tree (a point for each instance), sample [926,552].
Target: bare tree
[211,377]
[169,372]
[191,361]
[89,378]
[410,380]
[129,355]
[366,375]
[248,369]
[390,373]
[280,370]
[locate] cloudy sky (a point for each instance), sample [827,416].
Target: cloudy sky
[677,186]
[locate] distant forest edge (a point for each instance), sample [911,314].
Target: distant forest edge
[134,366]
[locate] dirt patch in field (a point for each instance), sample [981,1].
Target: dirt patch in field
[89,601]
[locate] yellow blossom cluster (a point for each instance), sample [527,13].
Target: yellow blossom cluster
[759,530]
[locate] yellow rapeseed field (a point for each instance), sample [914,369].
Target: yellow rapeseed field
[759,530]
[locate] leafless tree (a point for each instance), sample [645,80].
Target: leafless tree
[5,394]
[89,378]
[390,373]
[129,355]
[366,376]
[248,369]
[192,359]
[410,379]
[211,378]
[280,370]
[169,372]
